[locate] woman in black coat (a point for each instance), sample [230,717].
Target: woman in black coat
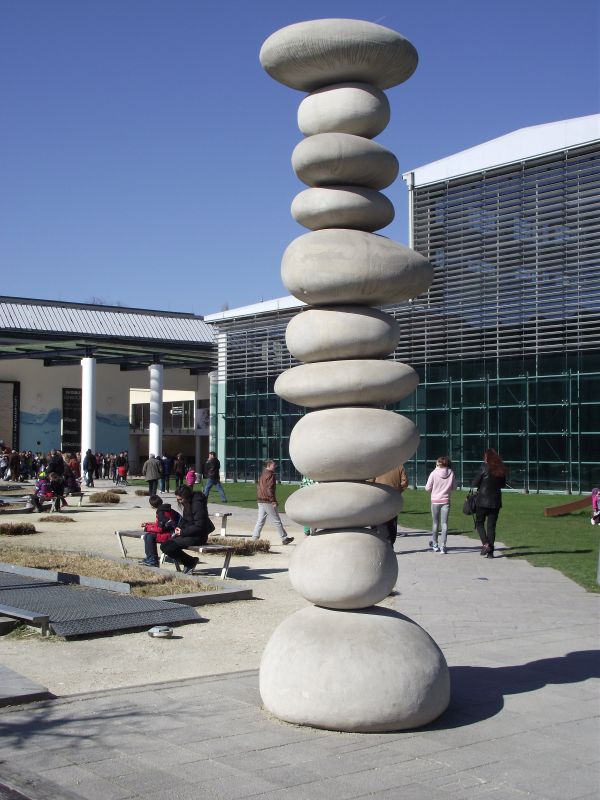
[489,481]
[193,529]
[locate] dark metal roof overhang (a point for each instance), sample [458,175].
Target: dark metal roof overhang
[65,346]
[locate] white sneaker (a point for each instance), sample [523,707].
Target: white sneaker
[443,549]
[434,547]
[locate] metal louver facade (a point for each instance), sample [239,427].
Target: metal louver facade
[506,341]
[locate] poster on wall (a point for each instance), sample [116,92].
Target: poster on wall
[9,414]
[203,418]
[71,420]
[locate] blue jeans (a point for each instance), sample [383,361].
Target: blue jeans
[210,483]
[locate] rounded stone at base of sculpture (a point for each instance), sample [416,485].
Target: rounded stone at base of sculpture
[351,443]
[344,383]
[355,108]
[342,207]
[344,569]
[358,671]
[315,53]
[343,332]
[328,159]
[343,503]
[339,266]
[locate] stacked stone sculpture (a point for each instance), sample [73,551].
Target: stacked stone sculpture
[344,663]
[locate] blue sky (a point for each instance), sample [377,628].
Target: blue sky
[145,155]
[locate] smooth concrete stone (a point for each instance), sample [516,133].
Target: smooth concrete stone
[325,334]
[340,267]
[341,444]
[343,503]
[356,108]
[308,55]
[346,383]
[342,207]
[344,569]
[365,671]
[329,159]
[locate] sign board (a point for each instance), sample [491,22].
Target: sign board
[71,420]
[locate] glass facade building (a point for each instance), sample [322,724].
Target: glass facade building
[506,341]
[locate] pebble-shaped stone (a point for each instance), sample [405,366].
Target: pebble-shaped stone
[328,159]
[325,334]
[357,671]
[339,266]
[342,207]
[315,53]
[347,568]
[346,383]
[356,108]
[338,504]
[349,444]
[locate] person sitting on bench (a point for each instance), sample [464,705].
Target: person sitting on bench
[43,493]
[57,487]
[167,519]
[193,528]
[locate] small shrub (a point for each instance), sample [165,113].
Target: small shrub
[142,492]
[16,528]
[116,490]
[243,547]
[104,497]
[56,518]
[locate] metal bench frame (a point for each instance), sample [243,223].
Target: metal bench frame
[27,616]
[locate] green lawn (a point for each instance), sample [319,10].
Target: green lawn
[569,544]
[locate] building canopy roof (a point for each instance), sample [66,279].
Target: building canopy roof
[62,333]
[519,145]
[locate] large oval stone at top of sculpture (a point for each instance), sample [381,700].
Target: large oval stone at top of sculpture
[347,568]
[339,266]
[324,334]
[345,383]
[351,443]
[355,108]
[308,55]
[342,207]
[328,159]
[338,503]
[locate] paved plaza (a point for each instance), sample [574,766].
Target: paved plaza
[522,645]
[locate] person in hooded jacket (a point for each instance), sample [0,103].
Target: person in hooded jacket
[159,531]
[193,528]
[441,483]
[489,481]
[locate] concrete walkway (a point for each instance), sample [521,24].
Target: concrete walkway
[522,645]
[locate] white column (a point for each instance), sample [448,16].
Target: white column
[156,401]
[88,405]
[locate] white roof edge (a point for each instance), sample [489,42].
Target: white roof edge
[520,145]
[278,304]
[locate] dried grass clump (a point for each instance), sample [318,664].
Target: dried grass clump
[104,497]
[116,490]
[243,547]
[142,492]
[143,581]
[16,529]
[56,518]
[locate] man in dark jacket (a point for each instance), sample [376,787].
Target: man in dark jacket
[267,503]
[89,467]
[193,528]
[212,473]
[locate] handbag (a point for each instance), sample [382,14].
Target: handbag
[470,504]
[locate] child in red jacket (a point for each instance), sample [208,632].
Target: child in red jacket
[160,531]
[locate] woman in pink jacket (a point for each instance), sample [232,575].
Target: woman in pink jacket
[440,483]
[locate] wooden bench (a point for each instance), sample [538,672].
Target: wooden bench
[27,616]
[204,548]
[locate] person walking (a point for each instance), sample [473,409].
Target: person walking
[152,470]
[489,482]
[398,480]
[165,478]
[441,483]
[212,473]
[267,503]
[89,467]
[193,528]
[179,470]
